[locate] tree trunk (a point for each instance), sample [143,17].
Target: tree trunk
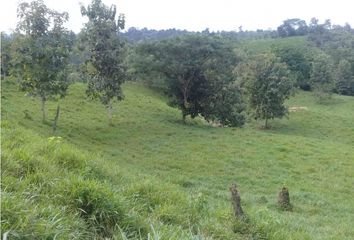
[266,123]
[55,122]
[184,117]
[185,100]
[110,113]
[236,202]
[44,114]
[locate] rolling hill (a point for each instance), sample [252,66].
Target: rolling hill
[152,177]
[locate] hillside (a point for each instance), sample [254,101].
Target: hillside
[257,46]
[158,178]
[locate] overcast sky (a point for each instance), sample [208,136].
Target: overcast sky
[197,15]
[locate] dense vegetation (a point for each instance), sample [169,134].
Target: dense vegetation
[150,175]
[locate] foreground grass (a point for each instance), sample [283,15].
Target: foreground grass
[171,179]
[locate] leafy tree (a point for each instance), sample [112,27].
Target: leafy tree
[41,51]
[293,27]
[145,68]
[106,62]
[268,85]
[6,41]
[322,77]
[298,63]
[198,72]
[226,106]
[319,33]
[344,78]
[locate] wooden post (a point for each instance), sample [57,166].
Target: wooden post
[236,201]
[284,199]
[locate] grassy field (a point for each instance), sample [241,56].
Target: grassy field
[266,45]
[158,178]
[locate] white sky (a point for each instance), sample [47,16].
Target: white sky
[197,15]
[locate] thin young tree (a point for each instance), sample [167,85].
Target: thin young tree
[344,78]
[268,85]
[106,66]
[41,52]
[322,77]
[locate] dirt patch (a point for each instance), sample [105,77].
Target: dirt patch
[296,109]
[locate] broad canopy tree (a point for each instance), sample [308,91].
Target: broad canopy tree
[268,85]
[198,71]
[298,61]
[41,51]
[105,66]
[293,27]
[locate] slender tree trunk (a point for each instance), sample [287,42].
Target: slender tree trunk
[185,102]
[44,114]
[266,123]
[110,113]
[184,117]
[55,122]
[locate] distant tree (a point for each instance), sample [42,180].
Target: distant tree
[41,51]
[322,77]
[293,27]
[198,72]
[268,85]
[6,41]
[298,63]
[106,62]
[319,33]
[226,106]
[139,35]
[144,67]
[344,78]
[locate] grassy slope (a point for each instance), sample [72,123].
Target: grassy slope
[265,45]
[311,153]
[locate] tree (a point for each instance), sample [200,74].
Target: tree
[319,33]
[322,77]
[298,63]
[268,85]
[6,41]
[344,78]
[198,72]
[226,106]
[105,65]
[293,27]
[41,51]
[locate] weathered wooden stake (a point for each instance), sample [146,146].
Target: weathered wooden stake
[236,201]
[55,122]
[284,199]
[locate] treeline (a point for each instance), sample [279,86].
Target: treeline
[135,35]
[210,74]
[289,28]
